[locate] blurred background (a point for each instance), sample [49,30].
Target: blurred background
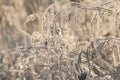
[14,32]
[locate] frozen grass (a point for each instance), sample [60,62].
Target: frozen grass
[62,41]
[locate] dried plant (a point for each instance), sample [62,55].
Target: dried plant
[59,40]
[101,59]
